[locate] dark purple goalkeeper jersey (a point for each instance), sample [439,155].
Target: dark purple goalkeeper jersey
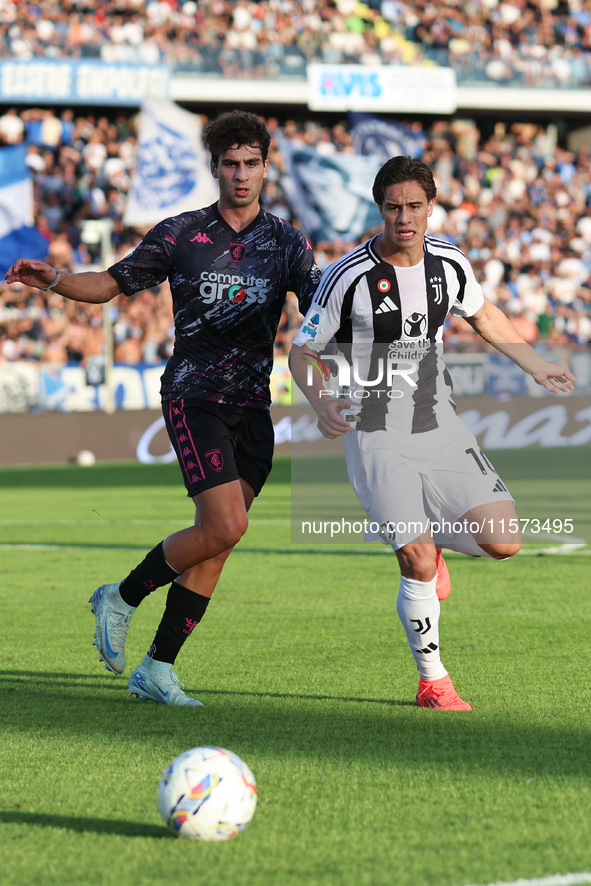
[228,291]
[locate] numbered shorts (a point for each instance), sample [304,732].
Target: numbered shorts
[408,487]
[216,444]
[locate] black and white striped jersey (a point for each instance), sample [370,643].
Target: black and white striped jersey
[388,322]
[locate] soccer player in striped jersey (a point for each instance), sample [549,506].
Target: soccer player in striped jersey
[415,467]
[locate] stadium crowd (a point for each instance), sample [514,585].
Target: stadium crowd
[522,42]
[516,201]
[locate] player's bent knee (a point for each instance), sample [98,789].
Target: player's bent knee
[230,533]
[417,561]
[502,551]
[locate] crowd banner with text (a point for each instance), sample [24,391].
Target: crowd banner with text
[81,82]
[172,174]
[28,386]
[45,437]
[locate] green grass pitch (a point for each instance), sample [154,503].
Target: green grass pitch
[305,673]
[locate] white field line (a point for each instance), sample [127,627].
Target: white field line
[100,521]
[556,880]
[569,540]
[570,549]
[568,544]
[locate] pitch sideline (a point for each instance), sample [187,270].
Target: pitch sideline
[556,880]
[571,550]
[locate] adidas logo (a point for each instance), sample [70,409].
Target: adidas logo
[432,647]
[386,306]
[432,703]
[499,486]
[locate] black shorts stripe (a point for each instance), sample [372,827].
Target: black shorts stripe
[185,445]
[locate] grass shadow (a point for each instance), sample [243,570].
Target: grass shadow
[102,682]
[80,824]
[505,742]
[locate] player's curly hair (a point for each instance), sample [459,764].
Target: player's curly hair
[404,169]
[236,128]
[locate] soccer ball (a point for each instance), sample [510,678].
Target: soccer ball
[207,794]
[86,458]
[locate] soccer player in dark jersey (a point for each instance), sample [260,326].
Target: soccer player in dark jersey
[413,464]
[230,266]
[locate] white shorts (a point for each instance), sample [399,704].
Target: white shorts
[420,483]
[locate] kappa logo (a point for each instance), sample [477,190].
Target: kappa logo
[215,459]
[415,325]
[386,305]
[237,252]
[201,238]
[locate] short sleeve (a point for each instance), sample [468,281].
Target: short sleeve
[303,272]
[470,297]
[324,317]
[151,261]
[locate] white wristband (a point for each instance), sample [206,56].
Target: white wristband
[55,282]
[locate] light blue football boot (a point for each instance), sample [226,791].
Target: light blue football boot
[156,681]
[113,616]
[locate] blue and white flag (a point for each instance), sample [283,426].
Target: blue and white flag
[331,195]
[172,173]
[385,138]
[18,237]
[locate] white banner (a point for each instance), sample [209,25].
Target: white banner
[385,138]
[18,236]
[172,173]
[389,88]
[332,196]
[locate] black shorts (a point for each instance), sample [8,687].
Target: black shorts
[216,444]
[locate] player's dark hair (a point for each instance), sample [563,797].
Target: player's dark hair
[236,128]
[404,169]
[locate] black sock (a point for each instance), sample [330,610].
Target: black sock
[152,573]
[184,610]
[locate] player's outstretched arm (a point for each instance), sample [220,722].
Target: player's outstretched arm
[94,287]
[496,329]
[311,383]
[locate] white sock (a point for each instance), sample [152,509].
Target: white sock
[418,609]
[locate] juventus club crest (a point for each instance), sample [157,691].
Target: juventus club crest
[437,289]
[237,252]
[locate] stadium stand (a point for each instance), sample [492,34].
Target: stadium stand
[517,203]
[516,199]
[527,42]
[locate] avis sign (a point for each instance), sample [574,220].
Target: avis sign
[382,88]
